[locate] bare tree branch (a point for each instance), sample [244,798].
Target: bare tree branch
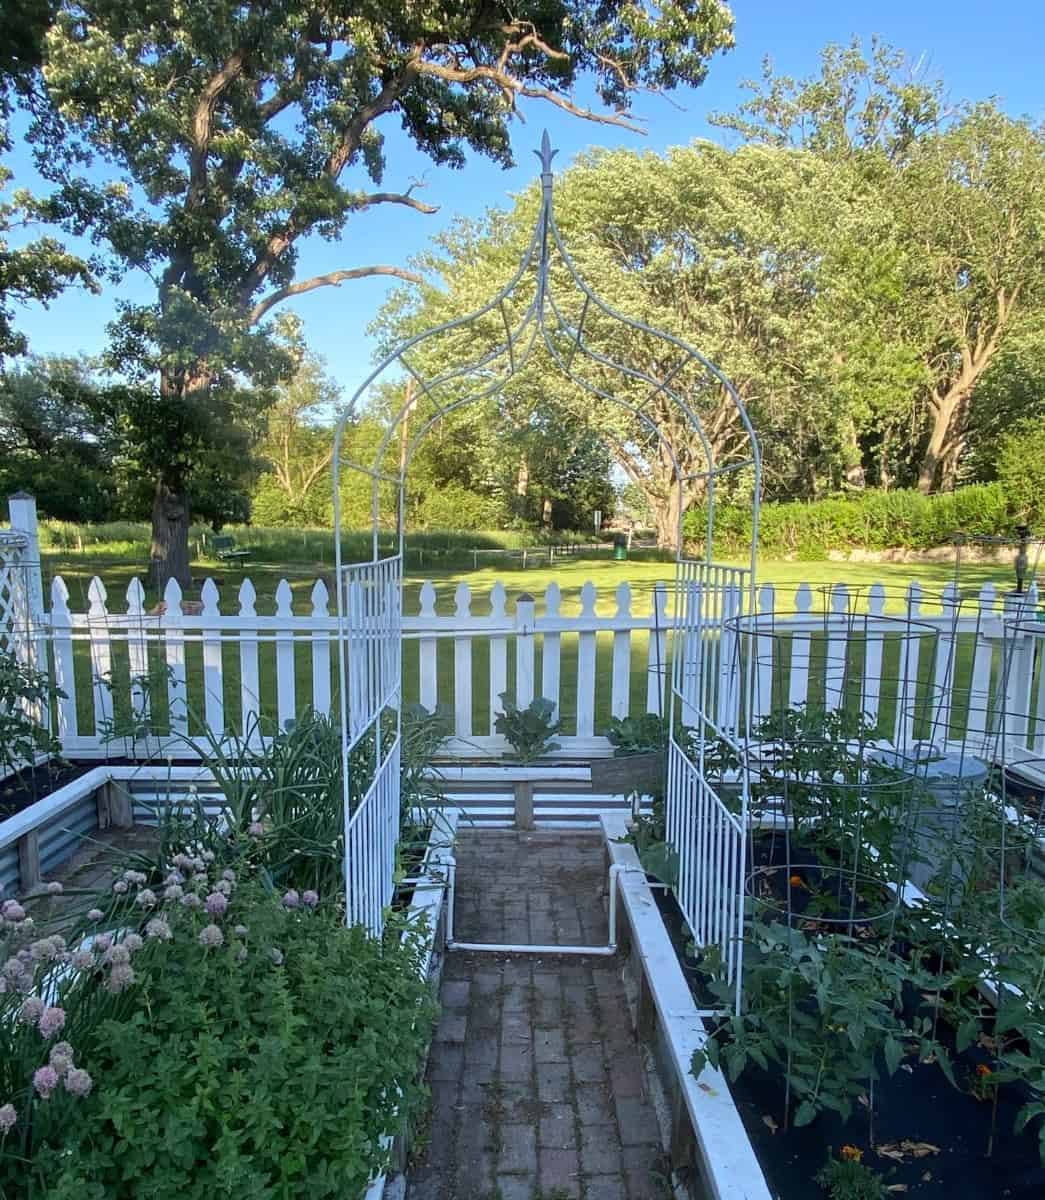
[332,279]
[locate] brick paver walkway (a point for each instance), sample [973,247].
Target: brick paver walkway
[538,1087]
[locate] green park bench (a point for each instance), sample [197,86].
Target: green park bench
[225,548]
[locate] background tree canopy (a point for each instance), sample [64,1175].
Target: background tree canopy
[229,133]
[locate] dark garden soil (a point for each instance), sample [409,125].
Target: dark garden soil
[946,1130]
[31,784]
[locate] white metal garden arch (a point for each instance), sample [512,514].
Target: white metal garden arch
[548,310]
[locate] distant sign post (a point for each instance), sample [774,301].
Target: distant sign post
[598,519]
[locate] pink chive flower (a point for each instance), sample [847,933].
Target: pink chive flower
[182,862]
[224,887]
[158,928]
[8,1118]
[276,955]
[45,1080]
[120,977]
[95,914]
[12,911]
[216,904]
[121,887]
[291,899]
[78,1082]
[211,935]
[229,875]
[175,877]
[61,1057]
[190,900]
[133,942]
[240,930]
[173,892]
[31,1010]
[54,888]
[146,898]
[45,950]
[310,898]
[118,954]
[14,968]
[52,1021]
[102,942]
[255,829]
[208,856]
[83,960]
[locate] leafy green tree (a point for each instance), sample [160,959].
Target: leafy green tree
[38,269]
[298,449]
[55,441]
[721,249]
[238,129]
[954,210]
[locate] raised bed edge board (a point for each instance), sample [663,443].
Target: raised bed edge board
[427,904]
[727,1168]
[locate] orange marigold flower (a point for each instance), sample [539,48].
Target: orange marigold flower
[796,881]
[983,1071]
[852,1153]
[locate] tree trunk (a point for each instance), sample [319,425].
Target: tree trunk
[169,554]
[940,439]
[666,518]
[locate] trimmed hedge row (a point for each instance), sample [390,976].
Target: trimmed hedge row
[874,520]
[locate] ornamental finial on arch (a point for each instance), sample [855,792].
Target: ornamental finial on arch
[546,154]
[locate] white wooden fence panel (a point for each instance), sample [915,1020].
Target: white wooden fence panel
[889,666]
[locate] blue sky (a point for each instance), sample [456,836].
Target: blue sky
[978,50]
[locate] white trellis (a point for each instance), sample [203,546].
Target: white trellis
[547,318]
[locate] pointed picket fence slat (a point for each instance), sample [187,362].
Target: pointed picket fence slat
[249,673]
[551,658]
[101,656]
[320,638]
[64,672]
[586,649]
[463,665]
[213,668]
[498,653]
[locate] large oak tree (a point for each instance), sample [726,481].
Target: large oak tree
[233,131]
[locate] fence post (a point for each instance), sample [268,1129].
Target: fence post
[463,664]
[28,612]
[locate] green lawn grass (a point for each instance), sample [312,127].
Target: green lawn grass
[640,572]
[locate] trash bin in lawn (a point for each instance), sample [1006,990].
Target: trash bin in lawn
[620,546]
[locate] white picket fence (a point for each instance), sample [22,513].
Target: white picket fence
[227,670]
[168,673]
